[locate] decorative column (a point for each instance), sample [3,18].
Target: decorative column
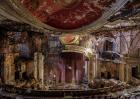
[39,67]
[12,74]
[73,72]
[8,68]
[90,70]
[122,72]
[35,65]
[98,68]
[46,73]
[63,73]
[85,77]
[95,69]
[128,72]
[86,68]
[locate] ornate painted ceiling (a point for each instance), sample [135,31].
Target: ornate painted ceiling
[73,16]
[68,14]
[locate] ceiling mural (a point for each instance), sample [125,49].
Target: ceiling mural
[67,14]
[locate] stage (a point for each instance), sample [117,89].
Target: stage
[112,92]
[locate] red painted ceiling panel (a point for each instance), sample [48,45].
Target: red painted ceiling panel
[67,14]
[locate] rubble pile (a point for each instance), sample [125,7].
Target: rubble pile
[111,84]
[134,82]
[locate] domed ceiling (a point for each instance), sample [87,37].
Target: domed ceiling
[68,14]
[65,16]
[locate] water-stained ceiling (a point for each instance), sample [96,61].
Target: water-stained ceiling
[72,16]
[68,14]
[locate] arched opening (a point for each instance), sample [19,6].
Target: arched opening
[74,66]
